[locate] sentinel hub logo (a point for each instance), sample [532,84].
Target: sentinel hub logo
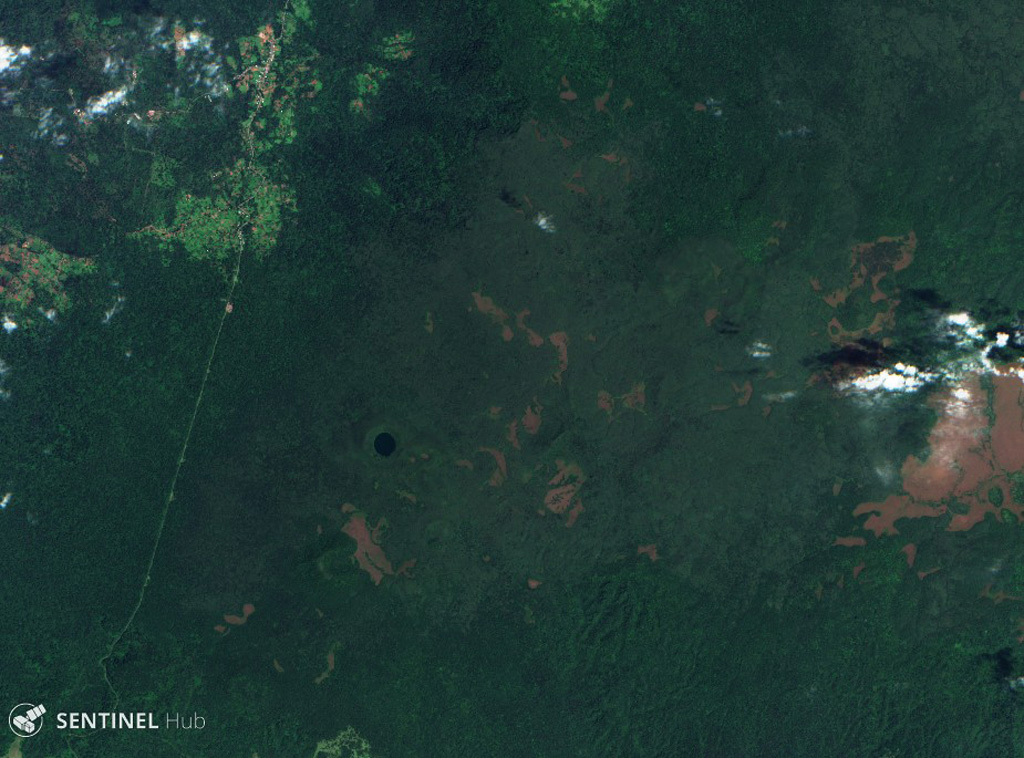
[26,720]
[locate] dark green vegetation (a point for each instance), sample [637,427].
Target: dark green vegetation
[847,121]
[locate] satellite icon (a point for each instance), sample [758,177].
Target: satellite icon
[26,719]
